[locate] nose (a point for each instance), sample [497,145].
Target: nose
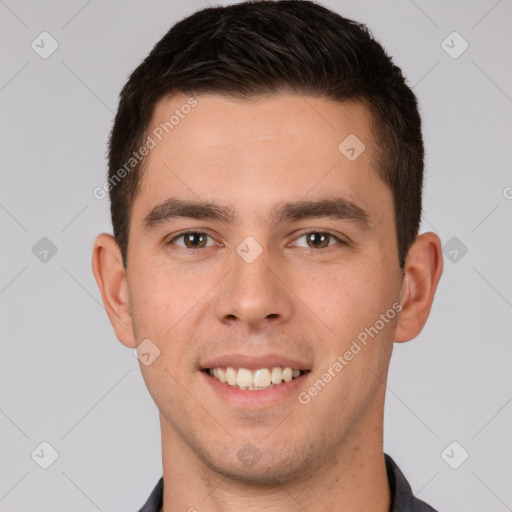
[255,293]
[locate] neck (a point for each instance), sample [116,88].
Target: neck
[352,478]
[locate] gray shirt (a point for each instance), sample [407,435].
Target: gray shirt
[402,499]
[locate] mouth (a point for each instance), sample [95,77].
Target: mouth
[258,379]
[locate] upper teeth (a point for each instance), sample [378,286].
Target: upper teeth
[262,378]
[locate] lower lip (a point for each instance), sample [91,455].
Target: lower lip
[255,398]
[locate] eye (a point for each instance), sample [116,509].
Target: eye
[192,240]
[320,239]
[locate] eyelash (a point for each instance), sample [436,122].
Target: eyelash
[325,250]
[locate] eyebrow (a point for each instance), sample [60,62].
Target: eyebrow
[339,208]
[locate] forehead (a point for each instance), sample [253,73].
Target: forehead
[217,122]
[256,153]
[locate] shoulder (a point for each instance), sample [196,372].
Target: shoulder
[154,502]
[402,498]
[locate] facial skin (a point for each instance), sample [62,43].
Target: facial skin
[296,299]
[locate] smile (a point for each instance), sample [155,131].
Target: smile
[254,380]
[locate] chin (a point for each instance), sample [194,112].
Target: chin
[252,466]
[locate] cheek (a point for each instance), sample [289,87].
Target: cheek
[349,298]
[151,299]
[351,301]
[165,301]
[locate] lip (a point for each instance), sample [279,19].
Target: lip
[255,399]
[254,362]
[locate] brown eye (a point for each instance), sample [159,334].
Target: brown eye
[192,240]
[320,240]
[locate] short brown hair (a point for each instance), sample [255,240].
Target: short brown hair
[263,48]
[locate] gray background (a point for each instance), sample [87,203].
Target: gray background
[66,380]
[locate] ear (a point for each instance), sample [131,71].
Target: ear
[423,269]
[107,266]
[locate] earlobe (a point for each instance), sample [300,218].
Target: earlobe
[423,269]
[110,276]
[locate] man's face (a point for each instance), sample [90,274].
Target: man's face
[259,292]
